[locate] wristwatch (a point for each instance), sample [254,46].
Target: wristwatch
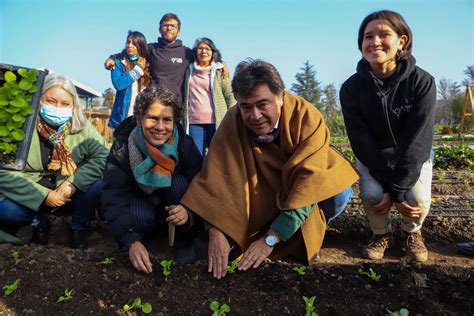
[271,240]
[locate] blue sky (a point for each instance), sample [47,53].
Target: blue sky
[74,37]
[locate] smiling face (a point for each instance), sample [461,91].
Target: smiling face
[203,54]
[131,48]
[261,110]
[380,45]
[157,123]
[169,30]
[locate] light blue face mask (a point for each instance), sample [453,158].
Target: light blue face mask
[55,116]
[133,57]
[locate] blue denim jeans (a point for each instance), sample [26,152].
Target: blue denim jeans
[202,135]
[82,204]
[334,206]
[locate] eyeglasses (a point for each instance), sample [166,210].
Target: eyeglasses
[204,49]
[170,26]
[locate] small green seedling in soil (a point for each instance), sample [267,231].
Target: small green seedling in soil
[401,312]
[371,275]
[66,296]
[137,303]
[107,261]
[309,306]
[10,288]
[15,256]
[300,270]
[219,310]
[233,265]
[441,176]
[166,267]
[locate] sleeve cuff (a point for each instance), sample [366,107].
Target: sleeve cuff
[136,72]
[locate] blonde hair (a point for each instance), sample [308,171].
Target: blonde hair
[78,120]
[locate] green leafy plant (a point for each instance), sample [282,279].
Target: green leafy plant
[371,275]
[309,306]
[454,157]
[219,310]
[107,261]
[394,216]
[15,96]
[232,266]
[349,154]
[300,270]
[67,295]
[10,288]
[470,218]
[15,256]
[137,304]
[441,175]
[166,267]
[401,312]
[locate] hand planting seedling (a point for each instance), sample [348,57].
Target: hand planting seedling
[401,312]
[233,265]
[137,303]
[10,288]
[66,296]
[15,256]
[371,274]
[107,261]
[217,310]
[300,270]
[309,306]
[166,267]
[14,107]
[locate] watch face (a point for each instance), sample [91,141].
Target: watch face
[270,240]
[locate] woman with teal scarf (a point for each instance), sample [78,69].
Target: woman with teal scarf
[150,165]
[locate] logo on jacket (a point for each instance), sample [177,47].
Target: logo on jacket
[403,108]
[177,60]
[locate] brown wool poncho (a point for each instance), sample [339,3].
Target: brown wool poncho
[243,186]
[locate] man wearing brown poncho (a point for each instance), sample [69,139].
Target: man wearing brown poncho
[268,167]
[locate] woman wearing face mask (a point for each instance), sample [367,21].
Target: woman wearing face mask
[207,94]
[388,108]
[129,77]
[64,167]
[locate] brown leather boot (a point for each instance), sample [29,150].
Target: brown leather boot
[414,246]
[376,247]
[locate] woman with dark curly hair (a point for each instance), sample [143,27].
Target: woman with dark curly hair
[150,165]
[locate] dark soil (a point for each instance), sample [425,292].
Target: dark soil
[442,286]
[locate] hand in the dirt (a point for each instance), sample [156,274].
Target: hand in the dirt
[255,254]
[218,252]
[384,206]
[141,62]
[177,214]
[139,257]
[55,199]
[408,210]
[109,64]
[66,189]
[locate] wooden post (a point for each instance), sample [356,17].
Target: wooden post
[468,107]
